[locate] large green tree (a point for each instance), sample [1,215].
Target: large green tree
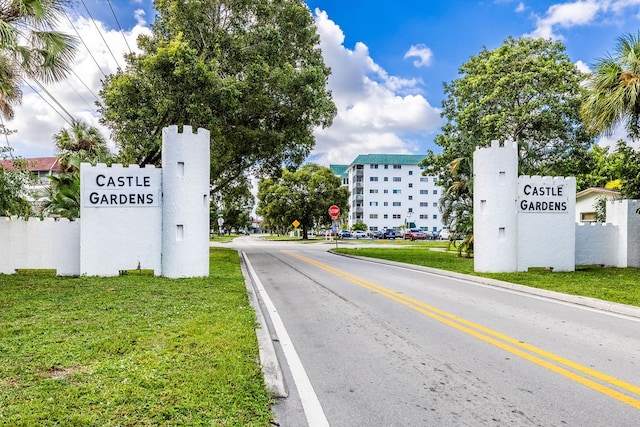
[304,195]
[30,47]
[614,90]
[527,91]
[249,71]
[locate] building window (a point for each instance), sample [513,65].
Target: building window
[373,216]
[424,204]
[424,179]
[410,210]
[396,191]
[373,166]
[435,179]
[397,166]
[386,191]
[385,216]
[397,179]
[373,191]
[410,197]
[435,217]
[373,203]
[397,204]
[435,191]
[424,216]
[411,185]
[397,216]
[386,166]
[410,172]
[386,178]
[435,204]
[373,178]
[424,191]
[385,204]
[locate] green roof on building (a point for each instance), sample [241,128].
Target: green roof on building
[339,170]
[388,159]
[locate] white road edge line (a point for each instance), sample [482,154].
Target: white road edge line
[310,404]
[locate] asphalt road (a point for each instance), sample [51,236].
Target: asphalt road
[362,343]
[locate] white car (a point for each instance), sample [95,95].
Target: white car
[359,234]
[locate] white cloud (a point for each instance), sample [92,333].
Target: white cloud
[582,66]
[422,52]
[377,113]
[581,13]
[566,15]
[520,8]
[38,118]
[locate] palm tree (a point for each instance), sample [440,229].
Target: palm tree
[614,90]
[457,204]
[30,48]
[80,143]
[64,199]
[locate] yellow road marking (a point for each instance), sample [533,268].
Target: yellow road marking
[490,336]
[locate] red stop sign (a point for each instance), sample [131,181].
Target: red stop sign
[334,211]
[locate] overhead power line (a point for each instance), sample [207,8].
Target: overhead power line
[85,45]
[100,32]
[119,26]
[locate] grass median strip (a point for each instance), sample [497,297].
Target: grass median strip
[131,350]
[619,285]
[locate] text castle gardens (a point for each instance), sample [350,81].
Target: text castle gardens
[542,198]
[120,187]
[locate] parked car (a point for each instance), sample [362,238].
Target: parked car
[443,234]
[359,234]
[345,233]
[414,234]
[389,234]
[376,234]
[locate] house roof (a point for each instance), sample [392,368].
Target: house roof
[597,191]
[388,159]
[35,164]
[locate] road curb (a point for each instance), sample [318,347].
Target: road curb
[598,304]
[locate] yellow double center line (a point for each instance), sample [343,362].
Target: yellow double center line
[578,373]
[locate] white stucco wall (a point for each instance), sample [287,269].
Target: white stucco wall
[185,225]
[597,244]
[36,244]
[546,222]
[121,216]
[623,214]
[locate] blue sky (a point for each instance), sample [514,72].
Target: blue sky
[389,61]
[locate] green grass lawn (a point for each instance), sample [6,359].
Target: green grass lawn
[134,350]
[621,285]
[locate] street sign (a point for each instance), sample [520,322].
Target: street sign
[295,223]
[334,211]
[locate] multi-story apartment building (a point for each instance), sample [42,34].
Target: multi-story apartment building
[388,191]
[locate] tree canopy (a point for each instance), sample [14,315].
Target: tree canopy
[526,90]
[250,72]
[304,195]
[14,180]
